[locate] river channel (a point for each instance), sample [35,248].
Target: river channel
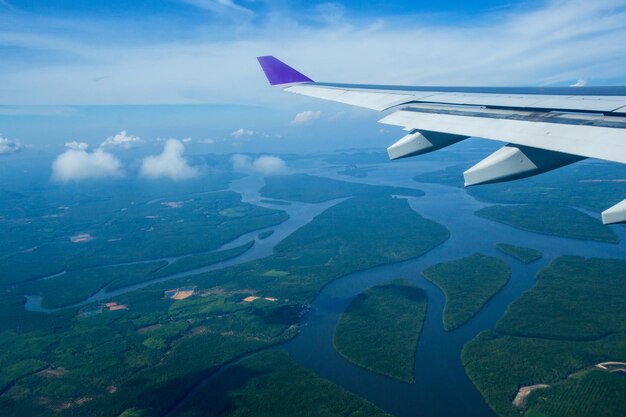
[441,388]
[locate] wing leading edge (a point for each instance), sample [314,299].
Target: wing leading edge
[544,128]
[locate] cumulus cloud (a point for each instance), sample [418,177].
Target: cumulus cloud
[241,133]
[305,117]
[266,164]
[9,146]
[169,164]
[121,140]
[77,146]
[76,163]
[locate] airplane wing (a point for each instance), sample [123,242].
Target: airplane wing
[544,128]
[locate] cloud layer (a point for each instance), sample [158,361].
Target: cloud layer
[76,164]
[532,44]
[169,164]
[266,164]
[9,146]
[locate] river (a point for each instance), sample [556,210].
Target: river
[441,386]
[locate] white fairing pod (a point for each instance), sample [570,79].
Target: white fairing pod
[417,143]
[513,162]
[615,214]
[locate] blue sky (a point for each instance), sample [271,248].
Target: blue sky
[150,55]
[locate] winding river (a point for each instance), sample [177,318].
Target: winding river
[442,387]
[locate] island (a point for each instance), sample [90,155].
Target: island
[555,335]
[312,189]
[380,329]
[468,284]
[522,254]
[552,220]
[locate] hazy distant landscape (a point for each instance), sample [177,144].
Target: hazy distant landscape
[189,299]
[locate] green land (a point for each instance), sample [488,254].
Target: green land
[380,329]
[121,231]
[522,254]
[468,284]
[551,220]
[144,359]
[590,393]
[310,189]
[550,199]
[266,234]
[573,298]
[572,319]
[355,171]
[271,384]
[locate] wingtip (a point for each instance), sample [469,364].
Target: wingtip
[279,73]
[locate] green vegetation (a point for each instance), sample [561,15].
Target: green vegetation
[310,189]
[468,284]
[573,298]
[122,231]
[272,384]
[594,393]
[499,366]
[594,186]
[380,329]
[355,171]
[148,357]
[266,234]
[76,286]
[572,319]
[551,220]
[191,262]
[522,254]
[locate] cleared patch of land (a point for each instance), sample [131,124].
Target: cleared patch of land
[468,284]
[272,384]
[571,320]
[311,189]
[551,220]
[522,254]
[380,329]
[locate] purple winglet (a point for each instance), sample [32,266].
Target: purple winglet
[277,72]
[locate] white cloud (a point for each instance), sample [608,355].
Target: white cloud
[227,7]
[305,117]
[266,164]
[535,44]
[579,83]
[121,140]
[169,164]
[77,146]
[77,164]
[187,140]
[242,132]
[207,141]
[9,145]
